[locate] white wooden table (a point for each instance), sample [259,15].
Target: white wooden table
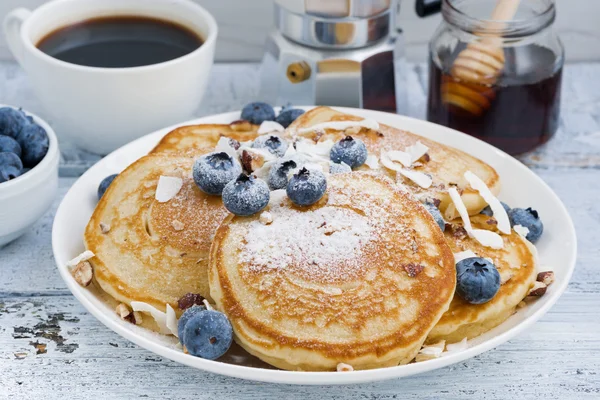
[51,348]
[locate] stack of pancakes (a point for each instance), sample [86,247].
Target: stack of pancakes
[363,277]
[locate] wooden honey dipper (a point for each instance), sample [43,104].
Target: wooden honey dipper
[477,67]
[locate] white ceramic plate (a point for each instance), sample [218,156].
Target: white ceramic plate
[522,188]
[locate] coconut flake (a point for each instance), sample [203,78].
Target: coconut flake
[460,346]
[167,188]
[461,255]
[416,151]
[399,156]
[486,238]
[171,320]
[521,230]
[499,212]
[224,145]
[417,177]
[319,150]
[86,255]
[159,316]
[372,161]
[208,306]
[270,126]
[341,125]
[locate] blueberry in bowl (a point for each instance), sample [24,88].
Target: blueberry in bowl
[29,159]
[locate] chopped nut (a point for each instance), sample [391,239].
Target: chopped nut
[252,161]
[538,289]
[125,313]
[177,225]
[241,125]
[413,269]
[341,367]
[137,316]
[83,273]
[459,232]
[380,134]
[265,218]
[491,221]
[426,157]
[436,202]
[190,299]
[546,277]
[104,228]
[318,135]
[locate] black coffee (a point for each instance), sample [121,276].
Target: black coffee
[120,42]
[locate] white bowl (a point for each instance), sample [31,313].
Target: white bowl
[25,199]
[522,188]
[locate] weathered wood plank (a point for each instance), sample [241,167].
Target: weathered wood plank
[557,358]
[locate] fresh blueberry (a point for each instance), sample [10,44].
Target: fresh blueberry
[339,168]
[185,317]
[103,186]
[246,195]
[477,280]
[278,175]
[488,210]
[274,144]
[258,112]
[528,218]
[306,187]
[10,166]
[9,145]
[213,171]
[208,334]
[289,115]
[349,150]
[436,214]
[12,121]
[34,144]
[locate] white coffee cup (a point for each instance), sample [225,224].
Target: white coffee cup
[101,109]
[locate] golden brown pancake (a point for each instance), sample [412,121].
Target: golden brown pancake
[445,164]
[517,265]
[195,140]
[153,252]
[360,277]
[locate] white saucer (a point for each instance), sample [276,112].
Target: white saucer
[522,188]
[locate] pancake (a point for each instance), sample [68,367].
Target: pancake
[153,252]
[195,140]
[446,165]
[517,264]
[359,278]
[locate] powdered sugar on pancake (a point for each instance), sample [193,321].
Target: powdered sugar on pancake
[319,242]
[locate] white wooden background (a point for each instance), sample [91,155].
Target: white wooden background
[245,23]
[558,358]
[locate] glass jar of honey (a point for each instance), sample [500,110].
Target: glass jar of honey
[495,71]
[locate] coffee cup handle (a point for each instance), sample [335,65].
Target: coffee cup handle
[12,30]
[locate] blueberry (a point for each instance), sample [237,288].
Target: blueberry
[488,210]
[528,218]
[258,112]
[289,115]
[339,168]
[103,186]
[12,121]
[306,187]
[246,195]
[349,150]
[185,317]
[213,171]
[436,214]
[9,145]
[208,334]
[34,144]
[477,280]
[274,144]
[10,166]
[278,175]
